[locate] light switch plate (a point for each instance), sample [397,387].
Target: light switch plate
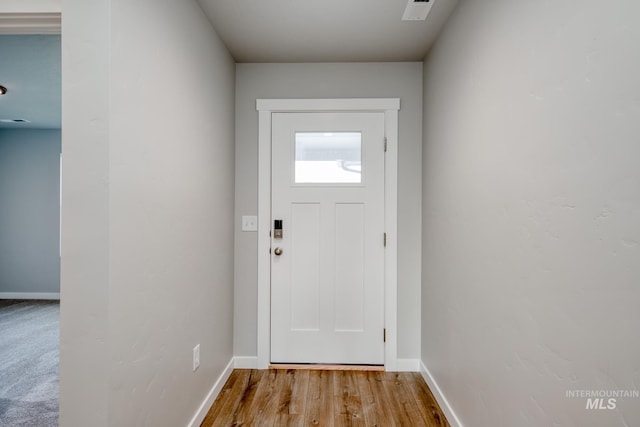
[249,223]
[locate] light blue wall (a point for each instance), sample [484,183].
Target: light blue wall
[29,211]
[30,69]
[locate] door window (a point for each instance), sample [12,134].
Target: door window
[328,158]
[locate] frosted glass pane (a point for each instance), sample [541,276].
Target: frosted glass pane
[328,157]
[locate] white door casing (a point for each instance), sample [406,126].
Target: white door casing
[267,108]
[327,274]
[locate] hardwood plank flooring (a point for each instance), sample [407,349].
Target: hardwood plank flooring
[332,398]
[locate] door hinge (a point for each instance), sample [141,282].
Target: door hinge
[385,144]
[384,239]
[384,335]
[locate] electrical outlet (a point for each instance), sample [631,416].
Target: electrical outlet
[249,223]
[196,357]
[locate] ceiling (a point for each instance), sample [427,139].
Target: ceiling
[324,30]
[253,31]
[30,70]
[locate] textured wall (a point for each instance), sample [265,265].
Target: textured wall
[531,211]
[30,211]
[84,282]
[162,156]
[362,80]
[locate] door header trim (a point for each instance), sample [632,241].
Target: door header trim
[316,105]
[30,23]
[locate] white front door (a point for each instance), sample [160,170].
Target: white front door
[327,268]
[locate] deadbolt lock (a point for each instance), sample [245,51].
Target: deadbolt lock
[277,229]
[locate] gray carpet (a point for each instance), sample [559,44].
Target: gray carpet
[29,358]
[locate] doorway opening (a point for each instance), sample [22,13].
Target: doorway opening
[30,205]
[346,311]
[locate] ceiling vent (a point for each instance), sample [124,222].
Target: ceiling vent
[417,10]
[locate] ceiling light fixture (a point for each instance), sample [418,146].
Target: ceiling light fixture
[14,121]
[3,90]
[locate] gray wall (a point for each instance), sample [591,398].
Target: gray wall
[148,119]
[29,211]
[531,211]
[339,80]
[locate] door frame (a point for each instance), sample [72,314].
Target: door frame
[390,108]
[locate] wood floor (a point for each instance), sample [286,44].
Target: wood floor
[292,397]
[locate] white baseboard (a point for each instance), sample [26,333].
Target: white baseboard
[408,365]
[30,295]
[440,398]
[244,362]
[402,365]
[211,397]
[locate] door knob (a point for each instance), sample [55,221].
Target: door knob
[277,251]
